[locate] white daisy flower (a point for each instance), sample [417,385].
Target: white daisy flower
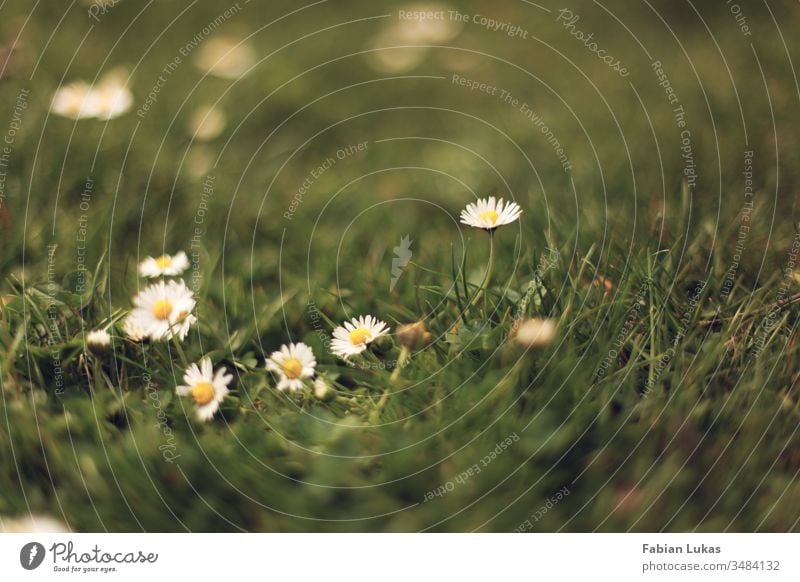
[164,310]
[113,98]
[206,387]
[169,265]
[225,57]
[356,334]
[32,524]
[293,363]
[98,338]
[536,333]
[389,58]
[108,99]
[133,330]
[490,213]
[75,101]
[323,390]
[439,29]
[390,51]
[207,123]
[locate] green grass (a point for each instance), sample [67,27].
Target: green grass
[669,399]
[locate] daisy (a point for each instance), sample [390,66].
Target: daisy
[206,387]
[108,99]
[385,56]
[164,310]
[356,334]
[168,265]
[75,101]
[425,30]
[536,333]
[293,363]
[322,390]
[226,57]
[32,524]
[133,330]
[113,98]
[207,123]
[400,45]
[490,213]
[98,338]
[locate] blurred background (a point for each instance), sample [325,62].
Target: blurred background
[287,87]
[289,147]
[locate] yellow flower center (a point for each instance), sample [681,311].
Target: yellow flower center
[203,393]
[292,368]
[490,215]
[164,261]
[162,309]
[359,336]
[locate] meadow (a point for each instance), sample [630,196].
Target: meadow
[312,161]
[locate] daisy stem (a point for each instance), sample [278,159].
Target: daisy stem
[487,276]
[375,416]
[179,349]
[401,362]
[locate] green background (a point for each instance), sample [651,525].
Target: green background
[707,441]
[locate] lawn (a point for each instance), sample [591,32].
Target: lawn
[312,161]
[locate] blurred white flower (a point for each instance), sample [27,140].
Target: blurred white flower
[112,100]
[293,363]
[353,337]
[430,24]
[75,101]
[322,390]
[98,338]
[108,99]
[395,60]
[207,123]
[206,388]
[164,310]
[32,524]
[200,160]
[536,333]
[490,213]
[133,330]
[225,57]
[169,265]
